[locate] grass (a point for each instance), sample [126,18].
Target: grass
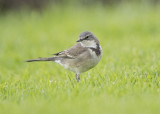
[127,79]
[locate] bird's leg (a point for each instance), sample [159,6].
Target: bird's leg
[77,76]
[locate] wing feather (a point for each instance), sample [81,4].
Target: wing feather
[72,52]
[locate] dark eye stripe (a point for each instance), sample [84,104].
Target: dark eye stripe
[86,37]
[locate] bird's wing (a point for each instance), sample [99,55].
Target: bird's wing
[72,52]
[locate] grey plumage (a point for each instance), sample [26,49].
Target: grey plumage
[79,58]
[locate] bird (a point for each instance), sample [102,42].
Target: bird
[81,57]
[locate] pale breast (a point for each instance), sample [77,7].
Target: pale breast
[95,58]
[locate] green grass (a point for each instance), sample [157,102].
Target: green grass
[127,79]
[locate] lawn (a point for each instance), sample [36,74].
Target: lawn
[127,79]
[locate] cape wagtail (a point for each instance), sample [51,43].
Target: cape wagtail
[79,58]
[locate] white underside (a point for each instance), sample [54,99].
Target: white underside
[64,65]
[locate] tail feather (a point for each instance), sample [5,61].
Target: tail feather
[41,59]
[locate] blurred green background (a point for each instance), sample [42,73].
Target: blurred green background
[127,79]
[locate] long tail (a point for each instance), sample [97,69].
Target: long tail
[41,59]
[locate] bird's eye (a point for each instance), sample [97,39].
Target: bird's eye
[87,37]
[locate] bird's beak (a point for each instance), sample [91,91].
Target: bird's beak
[78,40]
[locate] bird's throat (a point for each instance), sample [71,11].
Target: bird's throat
[91,44]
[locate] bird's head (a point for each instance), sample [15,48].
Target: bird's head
[87,39]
